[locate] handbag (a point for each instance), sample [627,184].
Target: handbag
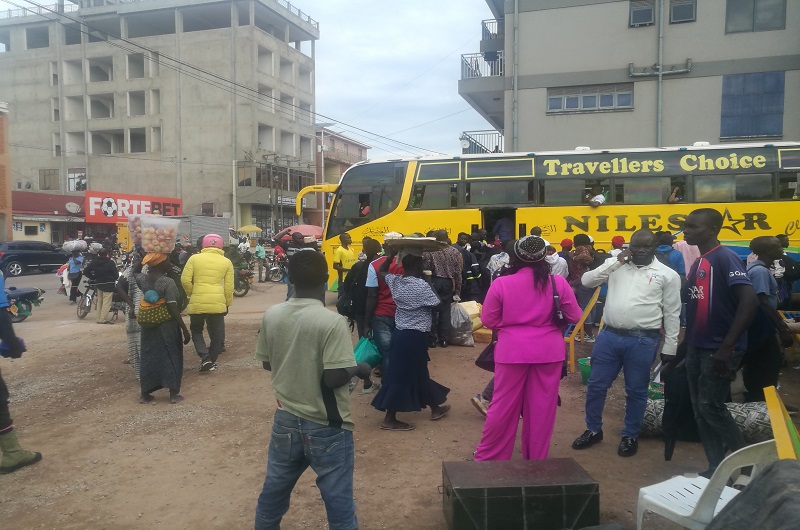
[154,314]
[485,360]
[559,319]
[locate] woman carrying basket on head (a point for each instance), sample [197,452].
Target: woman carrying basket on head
[162,325]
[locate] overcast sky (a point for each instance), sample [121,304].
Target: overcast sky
[392,68]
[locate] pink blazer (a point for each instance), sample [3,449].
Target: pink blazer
[523,318]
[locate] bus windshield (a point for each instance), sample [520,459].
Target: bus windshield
[367,192]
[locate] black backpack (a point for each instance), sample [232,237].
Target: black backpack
[353,292]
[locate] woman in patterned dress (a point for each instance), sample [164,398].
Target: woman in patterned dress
[408,387]
[162,349]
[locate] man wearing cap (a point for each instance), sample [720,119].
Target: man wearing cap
[643,295]
[566,246]
[207,279]
[616,242]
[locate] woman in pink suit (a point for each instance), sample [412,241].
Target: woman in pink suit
[529,353]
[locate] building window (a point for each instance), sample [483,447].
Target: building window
[37,38]
[642,13]
[755,15]
[590,98]
[76,179]
[207,209]
[752,105]
[682,11]
[31,230]
[48,179]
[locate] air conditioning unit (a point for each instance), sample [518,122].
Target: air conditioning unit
[643,13]
[683,11]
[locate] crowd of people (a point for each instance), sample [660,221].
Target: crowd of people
[693,302]
[401,298]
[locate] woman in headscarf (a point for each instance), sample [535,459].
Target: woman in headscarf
[529,353]
[162,349]
[407,386]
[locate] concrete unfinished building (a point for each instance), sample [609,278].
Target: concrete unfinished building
[208,101]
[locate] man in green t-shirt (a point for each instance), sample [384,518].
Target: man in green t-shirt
[309,352]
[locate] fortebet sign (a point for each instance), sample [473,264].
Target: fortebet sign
[103,207]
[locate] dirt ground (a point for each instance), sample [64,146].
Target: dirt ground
[110,462]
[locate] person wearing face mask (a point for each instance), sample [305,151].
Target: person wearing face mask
[643,294]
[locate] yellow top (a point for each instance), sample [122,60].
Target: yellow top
[346,256]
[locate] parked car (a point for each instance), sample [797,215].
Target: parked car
[18,256]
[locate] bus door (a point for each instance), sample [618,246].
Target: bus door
[503,220]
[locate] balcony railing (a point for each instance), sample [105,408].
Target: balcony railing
[36,10]
[9,13]
[488,64]
[340,155]
[481,142]
[492,30]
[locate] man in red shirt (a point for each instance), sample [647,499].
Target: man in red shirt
[380,310]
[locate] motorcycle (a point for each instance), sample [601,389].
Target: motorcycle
[21,302]
[278,269]
[242,278]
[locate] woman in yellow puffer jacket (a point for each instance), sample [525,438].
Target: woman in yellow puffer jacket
[207,279]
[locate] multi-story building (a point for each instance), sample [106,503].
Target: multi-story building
[169,98]
[556,74]
[5,176]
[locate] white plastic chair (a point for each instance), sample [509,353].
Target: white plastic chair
[693,502]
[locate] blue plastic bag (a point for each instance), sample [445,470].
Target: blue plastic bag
[367,352]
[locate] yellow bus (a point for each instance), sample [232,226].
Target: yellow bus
[755,186]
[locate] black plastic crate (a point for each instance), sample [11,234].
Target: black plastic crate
[519,494]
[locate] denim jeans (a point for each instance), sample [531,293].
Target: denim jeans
[612,353]
[709,391]
[216,335]
[295,445]
[382,330]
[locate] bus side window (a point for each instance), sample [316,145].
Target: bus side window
[788,188]
[433,197]
[756,187]
[561,192]
[642,190]
[714,188]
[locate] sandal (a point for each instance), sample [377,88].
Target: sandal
[399,427]
[442,412]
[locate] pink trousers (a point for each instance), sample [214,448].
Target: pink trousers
[527,389]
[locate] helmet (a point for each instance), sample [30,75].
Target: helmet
[212,240]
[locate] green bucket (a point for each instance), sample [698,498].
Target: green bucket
[584,365]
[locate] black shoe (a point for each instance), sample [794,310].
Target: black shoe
[587,439]
[431,344]
[443,344]
[205,366]
[628,446]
